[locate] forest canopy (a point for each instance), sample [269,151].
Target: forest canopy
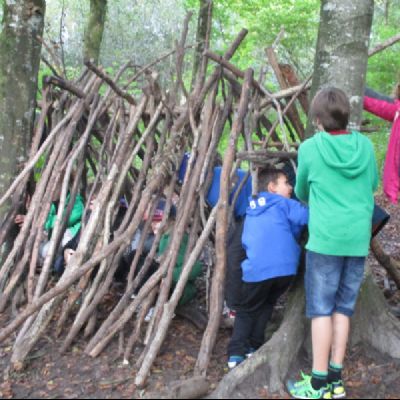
[144,29]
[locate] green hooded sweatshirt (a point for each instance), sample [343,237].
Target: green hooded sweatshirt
[74,222]
[337,176]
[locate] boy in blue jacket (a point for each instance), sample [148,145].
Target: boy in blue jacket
[265,244]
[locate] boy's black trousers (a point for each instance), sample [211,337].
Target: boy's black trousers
[257,301]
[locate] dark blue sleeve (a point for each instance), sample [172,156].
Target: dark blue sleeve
[242,201]
[375,95]
[213,191]
[243,197]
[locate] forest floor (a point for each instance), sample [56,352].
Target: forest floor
[76,375]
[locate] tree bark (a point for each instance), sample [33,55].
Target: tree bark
[94,30]
[373,323]
[204,19]
[19,64]
[342,51]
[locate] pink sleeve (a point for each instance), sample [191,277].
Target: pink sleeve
[380,108]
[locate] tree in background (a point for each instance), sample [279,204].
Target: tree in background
[205,9]
[19,64]
[94,30]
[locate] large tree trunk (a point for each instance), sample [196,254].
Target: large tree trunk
[341,61]
[94,30]
[19,64]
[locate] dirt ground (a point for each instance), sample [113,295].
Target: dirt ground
[76,375]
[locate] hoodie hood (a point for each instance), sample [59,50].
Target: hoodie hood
[262,202]
[344,153]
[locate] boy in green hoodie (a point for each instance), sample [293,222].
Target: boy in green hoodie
[337,177]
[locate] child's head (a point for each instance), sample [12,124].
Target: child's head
[330,109]
[158,215]
[275,181]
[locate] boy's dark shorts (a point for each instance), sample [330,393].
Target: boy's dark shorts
[332,284]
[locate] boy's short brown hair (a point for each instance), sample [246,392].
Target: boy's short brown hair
[332,109]
[267,175]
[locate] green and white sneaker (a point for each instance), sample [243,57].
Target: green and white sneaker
[337,390]
[302,389]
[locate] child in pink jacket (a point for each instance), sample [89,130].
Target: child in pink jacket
[388,109]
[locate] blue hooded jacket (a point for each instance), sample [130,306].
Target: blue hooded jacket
[272,226]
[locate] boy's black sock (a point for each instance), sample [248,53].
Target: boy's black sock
[334,372]
[318,379]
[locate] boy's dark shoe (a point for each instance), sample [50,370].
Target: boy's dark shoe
[250,352]
[303,389]
[337,389]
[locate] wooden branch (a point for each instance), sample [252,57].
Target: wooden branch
[64,84]
[279,37]
[292,112]
[292,79]
[384,45]
[391,265]
[264,156]
[110,82]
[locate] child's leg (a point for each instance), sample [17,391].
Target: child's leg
[272,293]
[351,279]
[341,330]
[241,331]
[251,302]
[323,274]
[321,330]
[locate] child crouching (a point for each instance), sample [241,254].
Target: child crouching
[265,244]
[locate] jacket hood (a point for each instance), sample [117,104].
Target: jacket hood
[344,153]
[262,202]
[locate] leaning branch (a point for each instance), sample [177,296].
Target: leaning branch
[384,45]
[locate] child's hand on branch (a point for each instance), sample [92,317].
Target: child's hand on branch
[19,220]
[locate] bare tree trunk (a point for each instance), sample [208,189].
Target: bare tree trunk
[204,19]
[94,30]
[342,49]
[19,64]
